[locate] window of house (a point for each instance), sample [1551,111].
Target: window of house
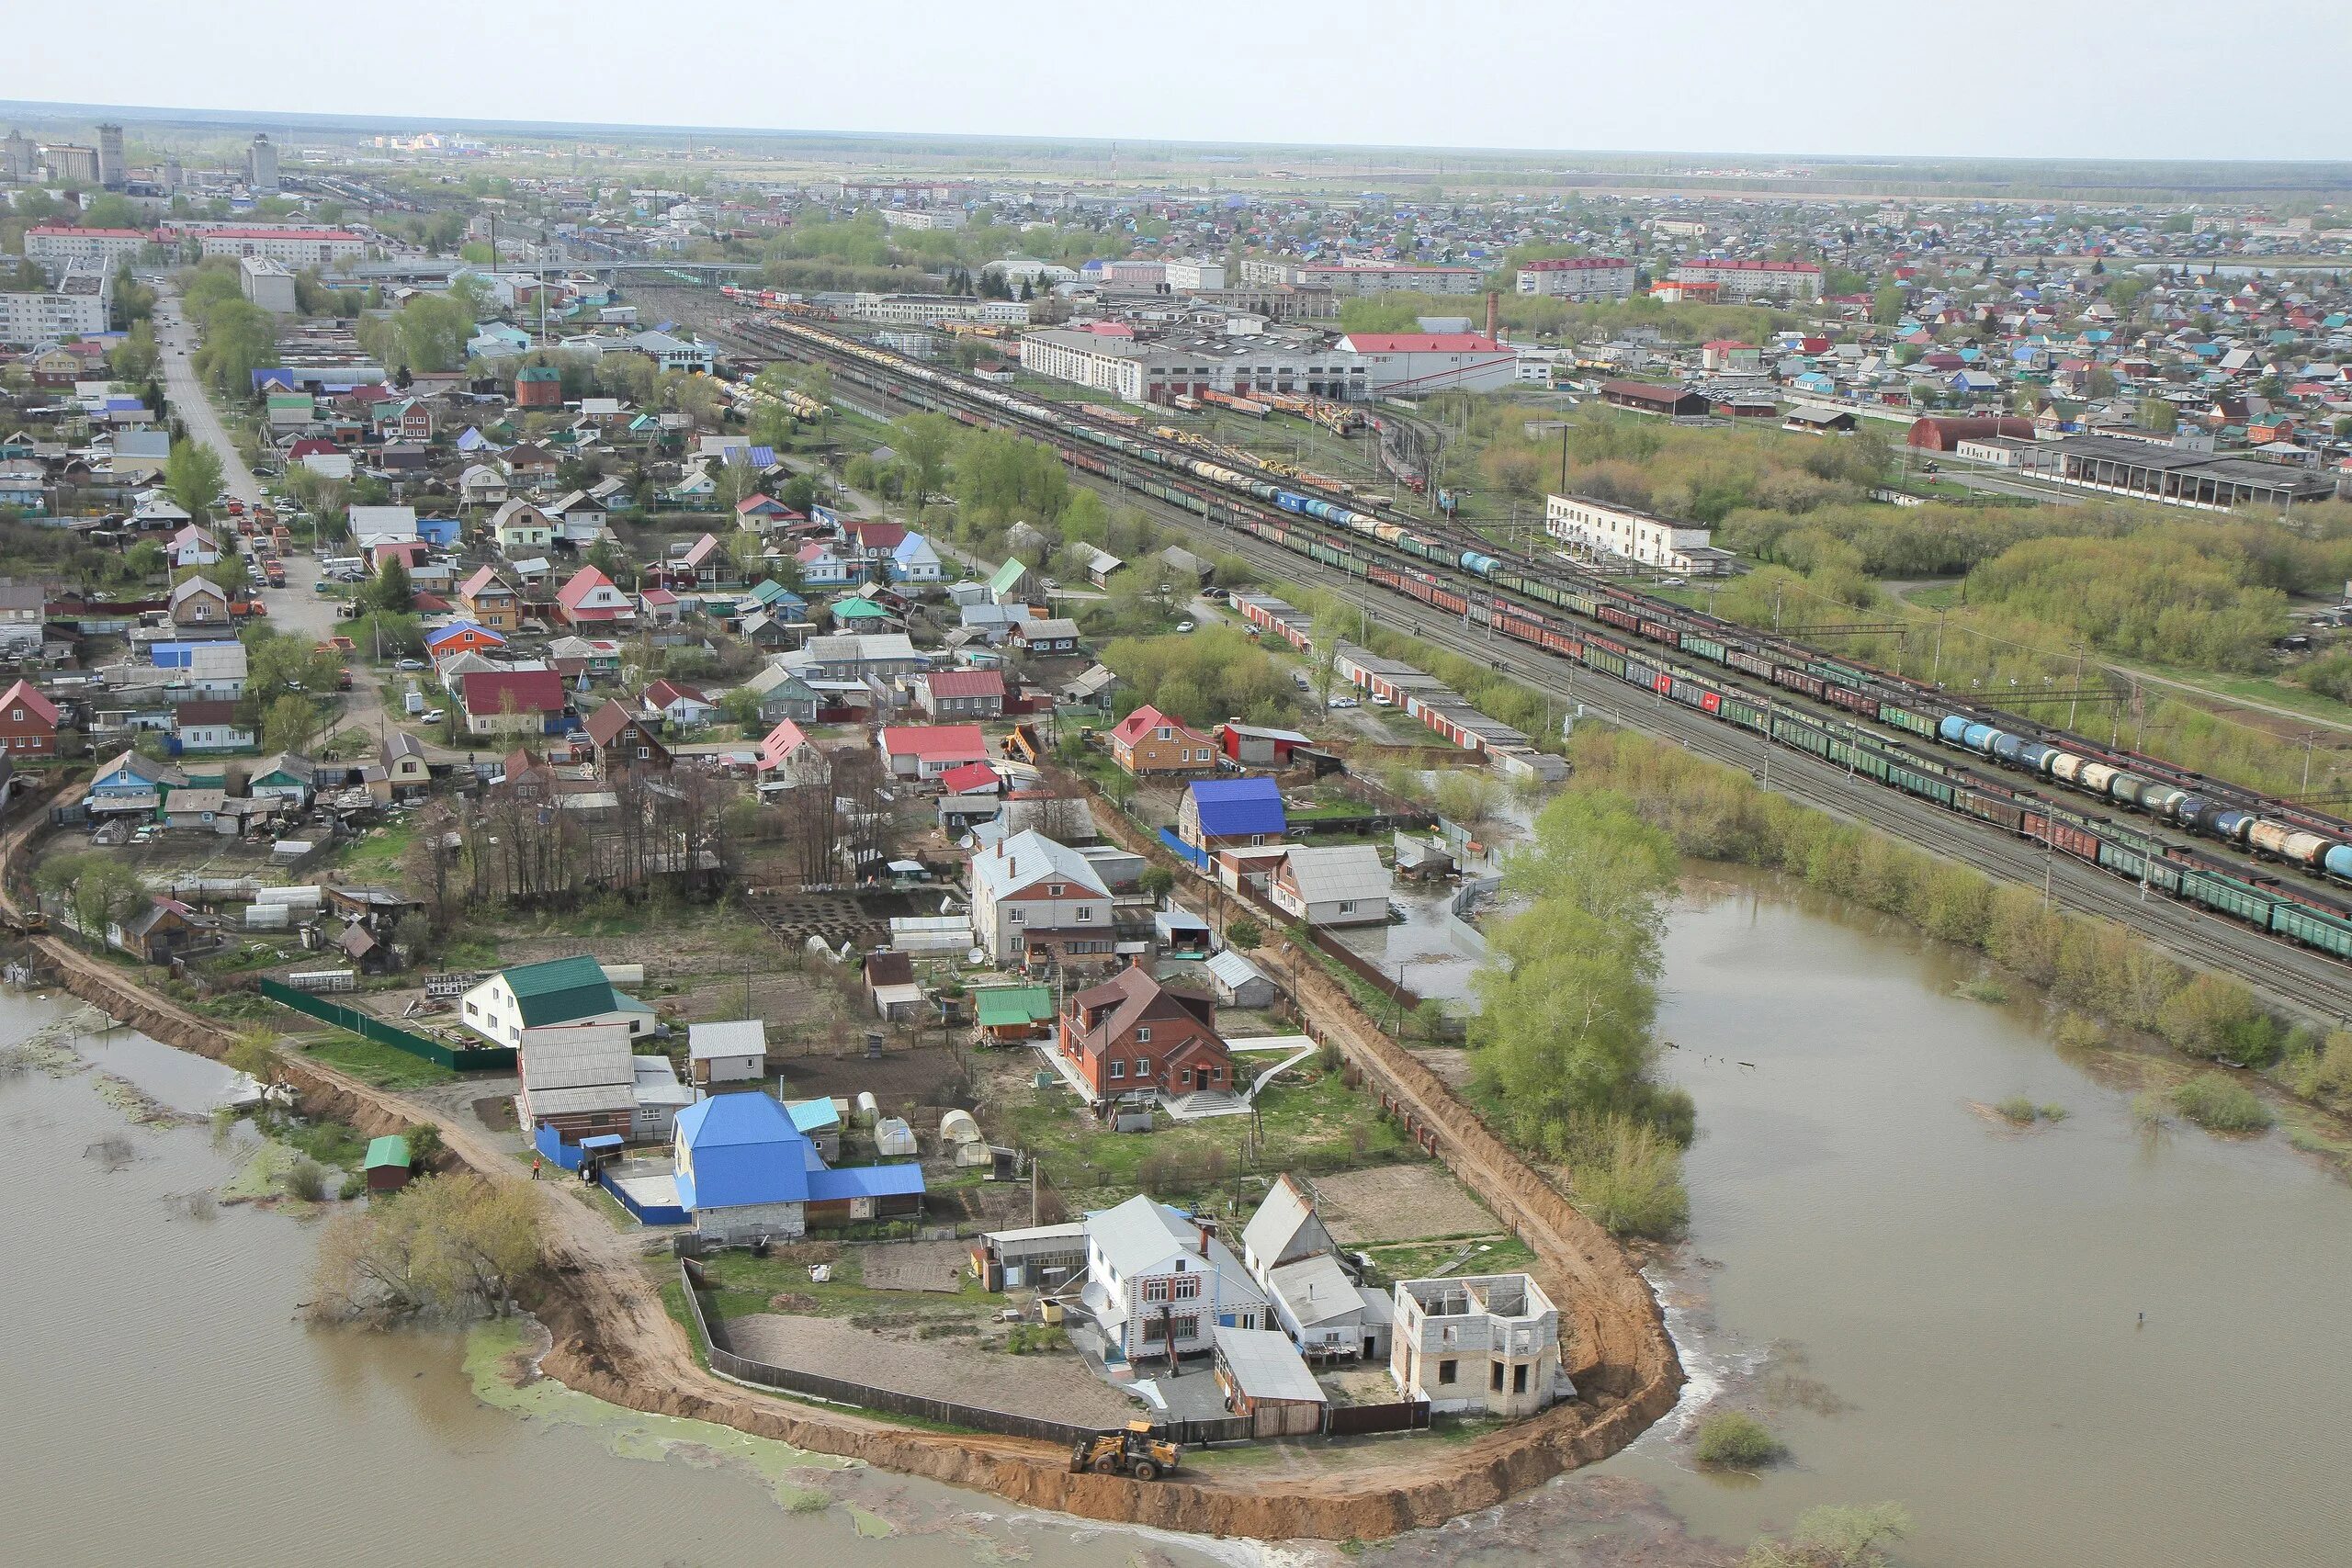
[1143,1035]
[1143,1066]
[1519,1378]
[1156,1289]
[1054,889]
[1185,1287]
[1118,1069]
[1084,914]
[1013,916]
[1494,1377]
[1445,1370]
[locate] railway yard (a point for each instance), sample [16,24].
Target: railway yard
[2217,875]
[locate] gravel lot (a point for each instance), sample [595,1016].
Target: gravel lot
[1052,1387]
[914,1266]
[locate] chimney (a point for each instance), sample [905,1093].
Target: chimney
[1494,315]
[1207,1230]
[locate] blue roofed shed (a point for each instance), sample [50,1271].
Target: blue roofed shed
[745,1170]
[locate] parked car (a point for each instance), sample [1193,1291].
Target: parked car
[410,664]
[1343,703]
[1184,625]
[434,716]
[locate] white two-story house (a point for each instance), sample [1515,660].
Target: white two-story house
[1154,1276]
[1031,891]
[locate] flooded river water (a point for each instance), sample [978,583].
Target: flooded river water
[1928,1306]
[167,1403]
[1934,1309]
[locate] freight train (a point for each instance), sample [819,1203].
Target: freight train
[2202,806]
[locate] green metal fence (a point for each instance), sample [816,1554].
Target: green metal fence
[367,1026]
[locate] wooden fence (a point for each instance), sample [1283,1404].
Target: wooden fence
[1354,1420]
[367,1026]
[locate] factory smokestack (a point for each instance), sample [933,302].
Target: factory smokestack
[1494,315]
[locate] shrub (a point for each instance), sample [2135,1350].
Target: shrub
[2079,1031]
[2219,1104]
[1626,1177]
[306,1178]
[1735,1439]
[2019,1111]
[1984,989]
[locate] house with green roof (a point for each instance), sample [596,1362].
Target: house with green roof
[561,993]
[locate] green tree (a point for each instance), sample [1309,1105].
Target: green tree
[288,723]
[136,356]
[924,440]
[192,475]
[392,590]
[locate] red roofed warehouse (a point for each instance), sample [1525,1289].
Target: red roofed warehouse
[28,722]
[1430,362]
[511,702]
[1945,434]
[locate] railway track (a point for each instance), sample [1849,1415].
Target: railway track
[2304,980]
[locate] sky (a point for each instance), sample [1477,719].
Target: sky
[2164,79]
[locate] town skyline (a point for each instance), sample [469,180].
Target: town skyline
[1834,84]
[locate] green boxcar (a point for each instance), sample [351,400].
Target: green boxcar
[1904,718]
[1746,714]
[1704,646]
[1600,658]
[2333,933]
[2229,894]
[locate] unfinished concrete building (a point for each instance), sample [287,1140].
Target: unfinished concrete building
[1486,1345]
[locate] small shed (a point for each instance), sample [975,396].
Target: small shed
[1181,933]
[1266,1380]
[1011,1015]
[1238,983]
[890,985]
[388,1165]
[734,1052]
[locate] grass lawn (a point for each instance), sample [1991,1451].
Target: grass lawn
[380,1065]
[1413,1260]
[742,1283]
[1318,1125]
[376,855]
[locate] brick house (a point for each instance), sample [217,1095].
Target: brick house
[1148,741]
[1131,1033]
[28,722]
[1038,903]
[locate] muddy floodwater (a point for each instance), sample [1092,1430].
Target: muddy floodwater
[167,1403]
[1932,1308]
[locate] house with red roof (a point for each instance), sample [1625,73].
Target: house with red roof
[972,778]
[1148,743]
[589,599]
[786,755]
[927,751]
[28,722]
[511,702]
[961,693]
[682,705]
[659,607]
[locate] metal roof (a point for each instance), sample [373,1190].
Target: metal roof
[1265,1365]
[1341,871]
[738,1149]
[739,1037]
[386,1151]
[559,989]
[1239,806]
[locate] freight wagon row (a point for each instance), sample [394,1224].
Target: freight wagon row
[2118,847]
[2224,812]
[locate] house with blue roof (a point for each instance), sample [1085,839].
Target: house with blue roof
[1224,813]
[745,1172]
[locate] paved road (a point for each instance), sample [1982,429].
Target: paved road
[299,608]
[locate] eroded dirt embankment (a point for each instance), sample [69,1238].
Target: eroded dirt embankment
[613,1338]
